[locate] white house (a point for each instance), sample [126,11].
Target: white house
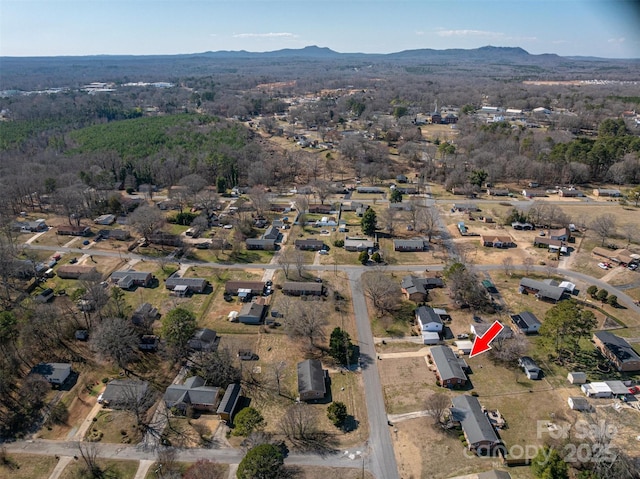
[597,390]
[430,338]
[429,320]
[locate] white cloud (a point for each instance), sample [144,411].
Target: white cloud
[265,35]
[617,40]
[469,33]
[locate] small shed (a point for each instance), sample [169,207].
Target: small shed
[579,403]
[577,378]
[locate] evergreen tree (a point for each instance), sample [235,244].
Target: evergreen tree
[369,222]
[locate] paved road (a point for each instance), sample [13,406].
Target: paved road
[382,460]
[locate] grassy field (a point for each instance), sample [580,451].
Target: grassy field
[115,427]
[117,468]
[27,466]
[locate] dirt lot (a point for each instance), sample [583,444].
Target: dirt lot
[406,384]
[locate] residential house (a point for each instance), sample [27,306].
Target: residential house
[128,278]
[358,244]
[541,290]
[252,313]
[617,350]
[526,322]
[562,234]
[309,244]
[622,256]
[105,220]
[517,225]
[148,342]
[607,192]
[530,368]
[311,380]
[145,314]
[255,287]
[449,369]
[204,340]
[429,320]
[597,390]
[122,392]
[72,230]
[570,193]
[320,209]
[478,431]
[265,244]
[299,288]
[54,373]
[534,193]
[497,241]
[416,289]
[549,243]
[409,245]
[73,271]
[116,234]
[466,207]
[193,393]
[497,192]
[479,329]
[186,285]
[36,226]
[370,190]
[45,296]
[229,402]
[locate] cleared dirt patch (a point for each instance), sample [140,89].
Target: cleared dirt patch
[406,383]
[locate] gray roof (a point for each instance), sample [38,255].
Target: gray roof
[447,363]
[544,290]
[271,233]
[122,390]
[526,320]
[53,372]
[475,423]
[481,328]
[260,241]
[230,399]
[134,275]
[411,243]
[618,346]
[252,309]
[428,315]
[193,391]
[413,284]
[174,281]
[204,339]
[310,376]
[304,286]
[528,364]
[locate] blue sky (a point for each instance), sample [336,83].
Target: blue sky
[604,28]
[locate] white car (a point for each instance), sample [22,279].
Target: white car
[227,227]
[323,252]
[603,266]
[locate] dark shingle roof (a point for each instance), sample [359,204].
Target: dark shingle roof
[230,399]
[428,315]
[310,376]
[618,346]
[475,423]
[193,391]
[447,363]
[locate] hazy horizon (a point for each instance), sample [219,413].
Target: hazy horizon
[44,28]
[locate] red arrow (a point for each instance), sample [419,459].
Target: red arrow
[481,343]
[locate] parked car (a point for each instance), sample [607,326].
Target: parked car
[603,266]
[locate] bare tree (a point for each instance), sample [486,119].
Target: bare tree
[507,264]
[302,204]
[116,340]
[437,404]
[383,291]
[300,425]
[89,454]
[388,219]
[167,466]
[218,367]
[285,260]
[259,198]
[603,226]
[308,322]
[426,222]
[630,231]
[508,350]
[146,220]
[322,190]
[298,256]
[527,265]
[205,469]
